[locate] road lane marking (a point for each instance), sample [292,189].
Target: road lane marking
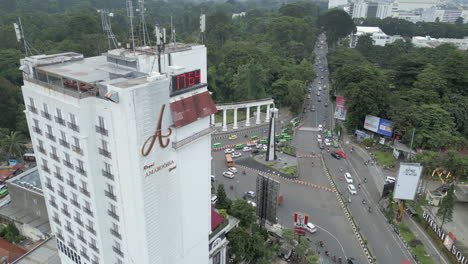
[342,249]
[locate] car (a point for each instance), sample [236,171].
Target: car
[247,149]
[327,142]
[265,147]
[326,104]
[348,177]
[352,261]
[321,77]
[336,156]
[320,88]
[228,151]
[236,154]
[232,137]
[309,227]
[259,146]
[341,153]
[214,199]
[335,143]
[228,174]
[250,144]
[250,194]
[233,169]
[320,127]
[390,179]
[321,145]
[308,96]
[352,189]
[255,151]
[318,93]
[239,146]
[313,108]
[319,100]
[254,137]
[319,137]
[213,178]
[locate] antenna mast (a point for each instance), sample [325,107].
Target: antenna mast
[202,27]
[173,34]
[106,26]
[20,37]
[160,43]
[144,29]
[130,15]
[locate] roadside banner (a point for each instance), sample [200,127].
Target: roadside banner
[385,127]
[340,110]
[372,123]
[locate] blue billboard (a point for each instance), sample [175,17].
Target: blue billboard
[385,127]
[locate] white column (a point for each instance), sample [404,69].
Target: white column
[235,119]
[224,120]
[267,117]
[213,121]
[258,115]
[247,117]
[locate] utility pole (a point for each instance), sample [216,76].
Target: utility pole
[411,145]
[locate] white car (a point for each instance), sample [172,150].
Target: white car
[245,149]
[228,174]
[319,137]
[233,169]
[236,154]
[390,179]
[228,151]
[320,88]
[320,127]
[214,199]
[348,178]
[327,142]
[265,147]
[259,146]
[309,227]
[252,203]
[250,194]
[352,189]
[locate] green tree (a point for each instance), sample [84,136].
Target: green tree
[459,21]
[295,96]
[243,211]
[365,45]
[12,145]
[445,210]
[430,79]
[312,259]
[337,24]
[223,201]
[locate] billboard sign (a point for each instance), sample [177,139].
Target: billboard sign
[267,198]
[407,181]
[340,110]
[385,127]
[372,123]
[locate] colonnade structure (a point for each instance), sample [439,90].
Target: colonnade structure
[247,105]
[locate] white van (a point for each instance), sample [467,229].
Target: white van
[214,199]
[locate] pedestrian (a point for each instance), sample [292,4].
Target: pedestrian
[365,180]
[359,186]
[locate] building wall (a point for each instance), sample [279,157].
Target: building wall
[29,201]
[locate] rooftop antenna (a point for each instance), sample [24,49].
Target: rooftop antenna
[144,29]
[130,15]
[160,43]
[173,34]
[202,27]
[106,26]
[20,38]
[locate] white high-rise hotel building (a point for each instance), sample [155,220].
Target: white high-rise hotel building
[123,152]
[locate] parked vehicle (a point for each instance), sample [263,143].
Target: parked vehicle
[390,179]
[239,146]
[228,174]
[228,151]
[250,194]
[232,137]
[216,145]
[229,161]
[247,149]
[236,154]
[233,169]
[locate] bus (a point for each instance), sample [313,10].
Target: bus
[229,161]
[217,145]
[329,134]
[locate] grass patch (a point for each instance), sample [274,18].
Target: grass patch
[418,250]
[384,158]
[288,149]
[241,114]
[291,171]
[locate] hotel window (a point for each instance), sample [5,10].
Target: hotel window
[80,167]
[53,154]
[59,118]
[36,127]
[72,124]
[45,167]
[107,172]
[63,139]
[80,235]
[115,231]
[68,227]
[112,211]
[90,228]
[56,219]
[117,249]
[66,161]
[61,192]
[45,111]
[110,192]
[71,181]
[74,200]
[217,258]
[40,146]
[84,188]
[32,106]
[76,147]
[50,133]
[49,184]
[104,150]
[101,129]
[77,218]
[58,173]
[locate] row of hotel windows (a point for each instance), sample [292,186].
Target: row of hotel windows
[72,124]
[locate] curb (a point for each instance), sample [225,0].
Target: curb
[348,215]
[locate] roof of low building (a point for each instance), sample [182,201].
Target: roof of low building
[216,219]
[12,251]
[368,30]
[44,253]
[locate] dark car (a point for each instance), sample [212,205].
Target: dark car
[336,156]
[255,151]
[352,261]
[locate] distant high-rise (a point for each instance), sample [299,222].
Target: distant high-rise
[123,150]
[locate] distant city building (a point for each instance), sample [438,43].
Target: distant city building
[237,15]
[337,3]
[444,15]
[428,42]
[122,143]
[378,36]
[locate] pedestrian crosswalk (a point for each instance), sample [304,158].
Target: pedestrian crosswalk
[309,156]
